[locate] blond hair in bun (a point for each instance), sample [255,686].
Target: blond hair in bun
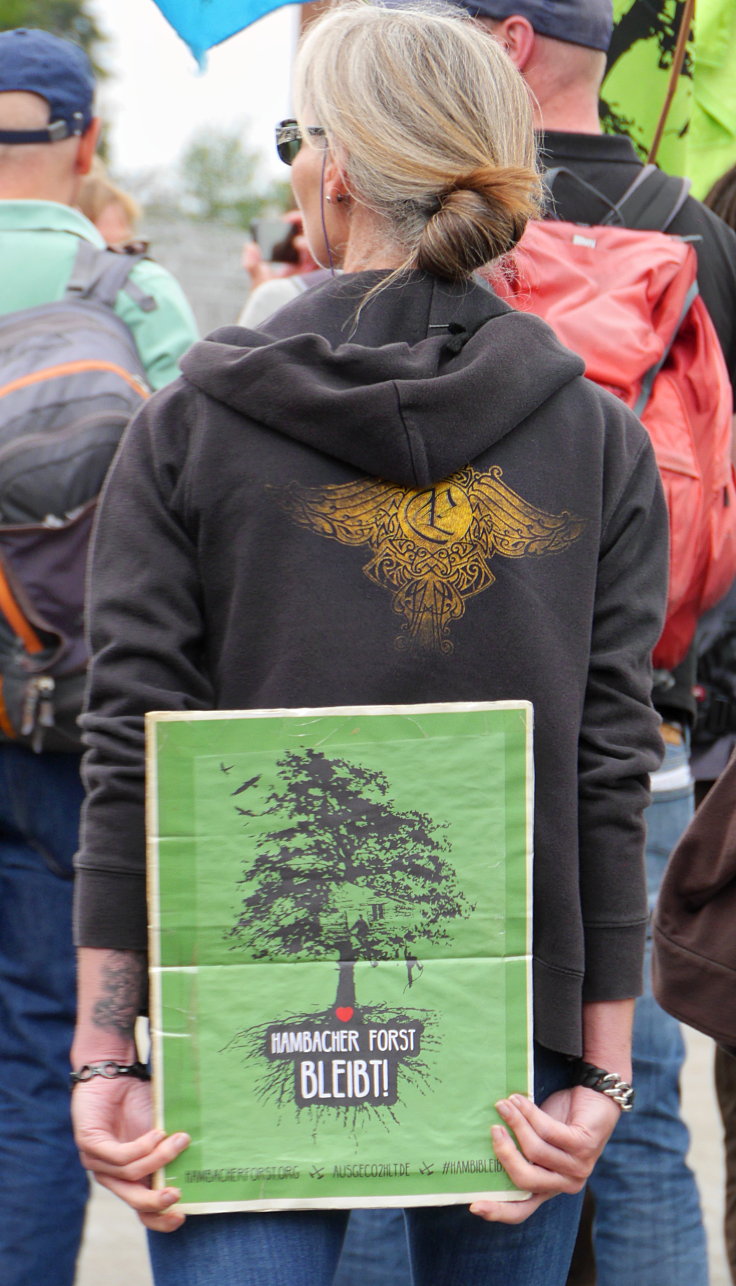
[432,125]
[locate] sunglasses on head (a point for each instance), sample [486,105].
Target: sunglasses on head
[289,138]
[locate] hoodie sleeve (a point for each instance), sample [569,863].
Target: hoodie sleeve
[619,741]
[146,641]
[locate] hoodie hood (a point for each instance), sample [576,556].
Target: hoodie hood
[423,380]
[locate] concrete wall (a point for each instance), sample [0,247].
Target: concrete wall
[205,259]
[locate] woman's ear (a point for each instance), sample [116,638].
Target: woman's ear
[334,183]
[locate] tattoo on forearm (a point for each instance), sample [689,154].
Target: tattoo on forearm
[119,1002]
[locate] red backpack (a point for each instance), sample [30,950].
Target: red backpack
[626,299]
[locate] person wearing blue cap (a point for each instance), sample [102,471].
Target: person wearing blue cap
[48,134]
[648,1224]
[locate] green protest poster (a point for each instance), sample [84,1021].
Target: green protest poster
[340,950]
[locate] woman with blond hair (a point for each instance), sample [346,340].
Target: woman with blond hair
[115,213]
[412,162]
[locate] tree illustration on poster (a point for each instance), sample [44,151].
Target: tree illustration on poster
[349,878]
[345,875]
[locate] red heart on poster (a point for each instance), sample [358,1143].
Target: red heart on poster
[344,1015]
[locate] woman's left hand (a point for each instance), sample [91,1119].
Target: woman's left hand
[556,1147]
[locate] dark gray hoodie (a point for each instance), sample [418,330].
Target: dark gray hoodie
[420,501]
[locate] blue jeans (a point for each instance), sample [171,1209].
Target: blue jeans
[648,1225]
[448,1246]
[43,1188]
[375,1251]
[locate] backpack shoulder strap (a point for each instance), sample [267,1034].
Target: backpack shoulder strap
[653,200]
[598,207]
[100,275]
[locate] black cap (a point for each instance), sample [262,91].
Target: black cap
[578,22]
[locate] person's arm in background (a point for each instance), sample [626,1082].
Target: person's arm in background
[162,334]
[716,251]
[715,247]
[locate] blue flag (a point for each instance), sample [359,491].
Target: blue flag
[204,23]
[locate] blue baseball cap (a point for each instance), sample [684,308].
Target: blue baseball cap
[35,62]
[578,22]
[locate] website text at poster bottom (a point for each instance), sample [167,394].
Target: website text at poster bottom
[353,1170]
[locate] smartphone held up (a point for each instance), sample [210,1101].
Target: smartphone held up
[275,239]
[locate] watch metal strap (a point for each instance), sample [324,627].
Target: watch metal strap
[608,1083]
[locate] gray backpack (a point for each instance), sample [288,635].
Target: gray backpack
[70,380]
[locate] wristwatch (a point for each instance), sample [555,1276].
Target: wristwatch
[608,1083]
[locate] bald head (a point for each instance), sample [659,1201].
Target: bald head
[40,171]
[564,78]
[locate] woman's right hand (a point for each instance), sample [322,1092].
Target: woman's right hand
[113,1129]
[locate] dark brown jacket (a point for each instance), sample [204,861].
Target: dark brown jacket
[694,962]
